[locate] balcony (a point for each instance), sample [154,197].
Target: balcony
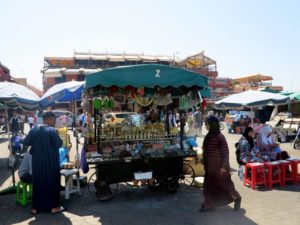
[260,84]
[206,72]
[220,84]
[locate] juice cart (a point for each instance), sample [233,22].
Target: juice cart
[139,151]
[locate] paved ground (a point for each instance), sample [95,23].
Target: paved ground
[142,206]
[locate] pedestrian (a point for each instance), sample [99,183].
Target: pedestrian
[22,120]
[38,118]
[64,119]
[83,118]
[45,143]
[218,188]
[171,119]
[30,120]
[198,122]
[25,169]
[190,119]
[182,122]
[153,116]
[268,146]
[15,124]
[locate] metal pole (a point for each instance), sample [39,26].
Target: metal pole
[13,189]
[251,117]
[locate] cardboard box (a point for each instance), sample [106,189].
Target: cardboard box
[143,175]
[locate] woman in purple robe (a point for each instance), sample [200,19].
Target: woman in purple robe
[218,188]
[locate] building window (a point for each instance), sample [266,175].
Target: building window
[60,79]
[80,77]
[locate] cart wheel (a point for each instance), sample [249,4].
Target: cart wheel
[91,183]
[155,185]
[105,187]
[297,143]
[172,184]
[187,179]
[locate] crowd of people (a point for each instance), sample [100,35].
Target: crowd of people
[41,167]
[17,121]
[262,149]
[218,187]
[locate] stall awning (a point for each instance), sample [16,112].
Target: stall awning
[146,75]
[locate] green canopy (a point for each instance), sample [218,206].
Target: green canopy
[295,96]
[147,75]
[206,93]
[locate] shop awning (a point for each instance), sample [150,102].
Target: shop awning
[146,75]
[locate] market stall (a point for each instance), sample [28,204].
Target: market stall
[252,101]
[146,148]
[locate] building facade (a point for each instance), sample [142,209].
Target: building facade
[204,65]
[62,69]
[4,73]
[23,81]
[255,82]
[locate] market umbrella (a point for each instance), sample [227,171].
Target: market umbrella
[63,92]
[251,99]
[14,95]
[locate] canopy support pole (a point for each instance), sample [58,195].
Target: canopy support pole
[77,141]
[252,117]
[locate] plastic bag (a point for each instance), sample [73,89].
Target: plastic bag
[241,173]
[83,163]
[12,161]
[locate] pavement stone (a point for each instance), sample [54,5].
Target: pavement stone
[279,205]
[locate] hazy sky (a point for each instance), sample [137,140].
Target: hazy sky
[244,37]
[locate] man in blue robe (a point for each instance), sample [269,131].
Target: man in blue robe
[45,142]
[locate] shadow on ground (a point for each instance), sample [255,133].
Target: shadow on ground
[133,207]
[144,206]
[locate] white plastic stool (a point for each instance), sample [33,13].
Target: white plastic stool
[69,187]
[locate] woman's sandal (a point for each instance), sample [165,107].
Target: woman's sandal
[61,209]
[206,209]
[33,212]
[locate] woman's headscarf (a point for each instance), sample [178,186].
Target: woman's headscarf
[264,132]
[249,139]
[214,128]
